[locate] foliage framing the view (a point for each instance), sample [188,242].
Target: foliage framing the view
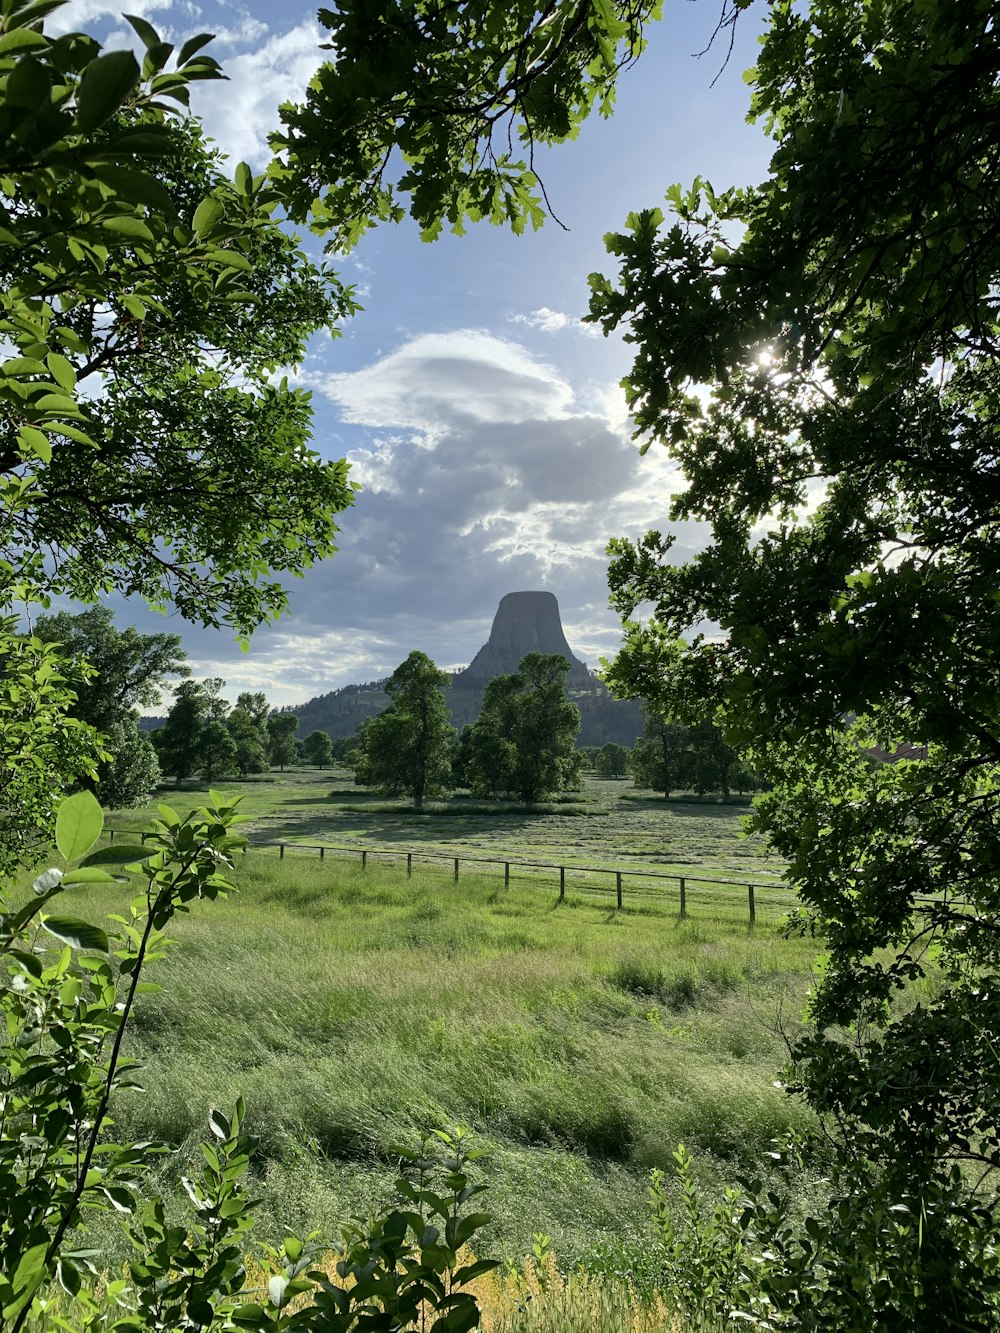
[143,445]
[832,376]
[446,104]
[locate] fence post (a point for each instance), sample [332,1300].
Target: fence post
[684,906]
[753,908]
[562,883]
[456,869]
[506,874]
[618,887]
[111,835]
[322,849]
[281,851]
[409,864]
[142,838]
[364,860]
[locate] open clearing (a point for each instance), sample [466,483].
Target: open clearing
[356,1009]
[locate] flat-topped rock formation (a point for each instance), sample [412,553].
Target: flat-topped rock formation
[525,622]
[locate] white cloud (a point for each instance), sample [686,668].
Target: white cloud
[554,321]
[442,378]
[240,113]
[83,15]
[482,474]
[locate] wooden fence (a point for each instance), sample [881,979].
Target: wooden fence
[683,882]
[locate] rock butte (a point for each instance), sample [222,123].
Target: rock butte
[525,622]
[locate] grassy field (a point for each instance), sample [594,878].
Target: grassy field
[356,1009]
[609,823]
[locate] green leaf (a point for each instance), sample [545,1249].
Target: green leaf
[206,215]
[21,39]
[55,402]
[67,1277]
[47,881]
[232,258]
[106,84]
[62,371]
[136,187]
[150,141]
[77,934]
[87,875]
[23,365]
[29,14]
[78,825]
[147,33]
[219,1125]
[277,1291]
[192,46]
[71,432]
[132,227]
[35,442]
[27,1277]
[119,854]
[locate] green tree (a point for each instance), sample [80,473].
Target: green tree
[126,672]
[820,355]
[522,744]
[318,749]
[465,94]
[247,725]
[217,755]
[408,747]
[216,705]
[143,445]
[281,728]
[612,760]
[659,758]
[713,765]
[251,746]
[588,757]
[129,669]
[44,748]
[133,770]
[178,741]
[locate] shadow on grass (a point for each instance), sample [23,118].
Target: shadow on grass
[346,797]
[396,824]
[710,806]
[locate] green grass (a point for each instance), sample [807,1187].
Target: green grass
[358,1009]
[620,827]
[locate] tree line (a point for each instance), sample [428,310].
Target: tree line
[114,673]
[673,756]
[521,747]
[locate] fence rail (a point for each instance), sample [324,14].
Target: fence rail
[619,875]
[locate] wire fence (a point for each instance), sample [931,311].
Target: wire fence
[641,883]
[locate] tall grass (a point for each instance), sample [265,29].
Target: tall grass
[357,1009]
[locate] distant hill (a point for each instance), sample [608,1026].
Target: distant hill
[525,622]
[342,711]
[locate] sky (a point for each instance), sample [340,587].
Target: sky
[484,422]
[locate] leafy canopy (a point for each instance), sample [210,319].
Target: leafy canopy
[821,356]
[522,744]
[147,301]
[446,104]
[407,748]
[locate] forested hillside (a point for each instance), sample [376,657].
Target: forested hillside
[342,711]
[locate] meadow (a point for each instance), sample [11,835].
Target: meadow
[356,1009]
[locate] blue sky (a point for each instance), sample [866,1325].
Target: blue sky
[482,419]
